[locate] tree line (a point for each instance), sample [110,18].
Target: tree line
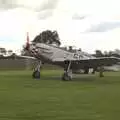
[115,53]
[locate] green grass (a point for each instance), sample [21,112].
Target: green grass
[84,98]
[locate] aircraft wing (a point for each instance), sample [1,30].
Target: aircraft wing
[91,62]
[101,61]
[18,57]
[27,57]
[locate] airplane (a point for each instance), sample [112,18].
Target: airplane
[70,61]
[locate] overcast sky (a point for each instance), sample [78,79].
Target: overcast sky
[86,24]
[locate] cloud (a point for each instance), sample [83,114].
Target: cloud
[46,9]
[37,6]
[9,4]
[69,17]
[43,8]
[104,26]
[79,16]
[47,5]
[45,14]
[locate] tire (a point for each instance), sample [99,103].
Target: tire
[65,77]
[36,75]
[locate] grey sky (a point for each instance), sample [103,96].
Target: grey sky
[45,8]
[69,17]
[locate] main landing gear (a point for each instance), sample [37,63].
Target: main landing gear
[67,75]
[36,72]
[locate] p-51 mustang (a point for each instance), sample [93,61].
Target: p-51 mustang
[70,61]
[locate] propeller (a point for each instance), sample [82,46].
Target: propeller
[28,42]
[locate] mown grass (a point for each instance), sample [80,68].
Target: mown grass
[83,98]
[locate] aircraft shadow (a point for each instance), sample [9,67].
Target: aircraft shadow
[80,78]
[86,78]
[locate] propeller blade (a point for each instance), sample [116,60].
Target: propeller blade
[28,42]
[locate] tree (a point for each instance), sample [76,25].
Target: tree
[10,52]
[48,37]
[110,53]
[3,51]
[106,54]
[98,53]
[115,53]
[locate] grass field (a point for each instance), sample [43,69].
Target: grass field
[84,98]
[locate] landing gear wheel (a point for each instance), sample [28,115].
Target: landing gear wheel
[36,74]
[67,72]
[66,77]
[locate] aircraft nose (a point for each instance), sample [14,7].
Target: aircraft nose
[33,49]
